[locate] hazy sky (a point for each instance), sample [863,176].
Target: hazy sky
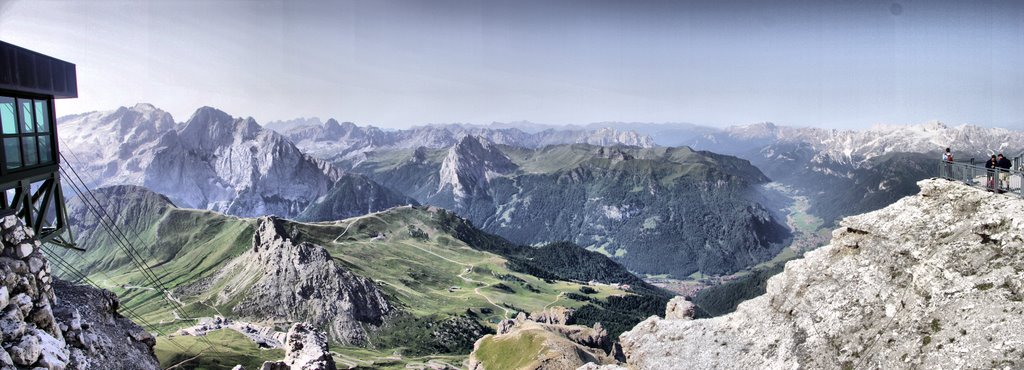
[400,63]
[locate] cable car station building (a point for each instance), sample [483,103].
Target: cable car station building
[29,158]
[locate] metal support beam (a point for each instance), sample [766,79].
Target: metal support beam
[39,202]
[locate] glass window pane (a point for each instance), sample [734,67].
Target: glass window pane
[45,150]
[12,150]
[28,147]
[28,124]
[8,116]
[42,116]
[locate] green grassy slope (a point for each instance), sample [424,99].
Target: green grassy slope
[436,267]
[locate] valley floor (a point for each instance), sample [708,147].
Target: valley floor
[808,234]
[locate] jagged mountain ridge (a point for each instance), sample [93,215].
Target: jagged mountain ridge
[285,125]
[865,169]
[352,196]
[932,281]
[347,142]
[212,161]
[856,146]
[654,209]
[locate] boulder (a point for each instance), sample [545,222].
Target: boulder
[27,351]
[305,349]
[680,309]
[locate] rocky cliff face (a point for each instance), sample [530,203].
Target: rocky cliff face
[346,141]
[98,337]
[470,165]
[114,147]
[234,166]
[82,335]
[284,280]
[856,146]
[932,281]
[213,161]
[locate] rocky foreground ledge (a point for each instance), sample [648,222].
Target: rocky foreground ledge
[51,324]
[935,280]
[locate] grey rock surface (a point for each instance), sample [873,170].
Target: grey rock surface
[930,282]
[680,309]
[212,161]
[305,349]
[347,141]
[50,324]
[97,336]
[470,165]
[281,279]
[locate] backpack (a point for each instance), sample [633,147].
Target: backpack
[948,157]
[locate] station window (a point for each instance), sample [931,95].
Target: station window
[26,133]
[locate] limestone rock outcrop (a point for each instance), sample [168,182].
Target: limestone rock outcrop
[933,281]
[555,315]
[680,309]
[470,165]
[281,279]
[44,325]
[305,349]
[97,336]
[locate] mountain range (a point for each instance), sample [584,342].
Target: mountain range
[334,141]
[212,161]
[852,171]
[400,244]
[655,210]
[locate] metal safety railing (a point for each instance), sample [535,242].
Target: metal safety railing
[992,179]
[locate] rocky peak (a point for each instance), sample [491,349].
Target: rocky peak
[334,131]
[209,128]
[288,125]
[608,136]
[470,165]
[113,135]
[935,125]
[283,279]
[214,161]
[760,130]
[931,281]
[140,118]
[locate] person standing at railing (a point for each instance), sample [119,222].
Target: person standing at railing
[990,172]
[948,158]
[1004,172]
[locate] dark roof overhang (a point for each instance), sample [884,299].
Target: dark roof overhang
[24,70]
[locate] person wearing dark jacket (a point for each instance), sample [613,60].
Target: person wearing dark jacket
[1004,165]
[947,157]
[990,172]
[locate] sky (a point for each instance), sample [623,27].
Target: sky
[838,64]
